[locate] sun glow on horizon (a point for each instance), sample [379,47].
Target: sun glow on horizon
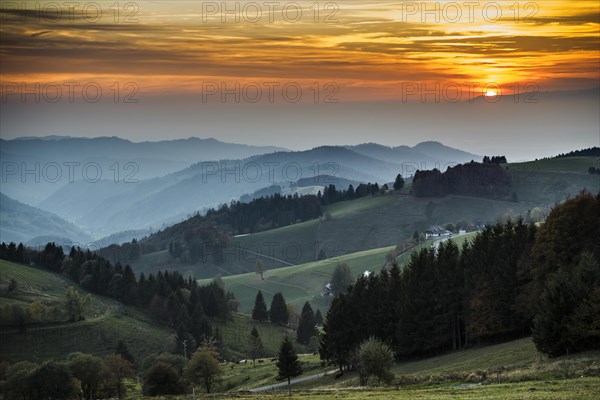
[363,47]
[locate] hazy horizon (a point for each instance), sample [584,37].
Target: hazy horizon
[552,125]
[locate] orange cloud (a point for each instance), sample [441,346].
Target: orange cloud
[367,49]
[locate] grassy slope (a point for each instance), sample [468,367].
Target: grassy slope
[507,362]
[235,334]
[245,377]
[580,389]
[106,322]
[513,357]
[382,221]
[306,282]
[546,182]
[299,283]
[357,225]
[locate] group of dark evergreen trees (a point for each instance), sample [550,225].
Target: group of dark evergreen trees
[332,195]
[12,252]
[203,238]
[279,314]
[237,218]
[266,212]
[589,152]
[495,160]
[509,281]
[167,296]
[471,179]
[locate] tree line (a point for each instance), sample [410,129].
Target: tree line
[278,314]
[589,152]
[495,160]
[166,295]
[511,280]
[204,238]
[470,179]
[82,376]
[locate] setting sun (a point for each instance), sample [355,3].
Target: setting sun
[491,93]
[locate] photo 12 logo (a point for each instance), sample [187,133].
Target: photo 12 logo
[269,92]
[272,172]
[453,12]
[71,92]
[254,12]
[456,92]
[71,171]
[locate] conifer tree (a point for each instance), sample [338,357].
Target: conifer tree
[259,313]
[318,317]
[288,364]
[255,346]
[278,312]
[306,325]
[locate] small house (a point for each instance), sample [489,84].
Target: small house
[436,231]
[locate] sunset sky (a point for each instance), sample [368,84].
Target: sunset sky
[370,50]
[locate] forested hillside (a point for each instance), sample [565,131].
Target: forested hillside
[511,280]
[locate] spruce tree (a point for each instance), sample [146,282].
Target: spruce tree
[306,325]
[278,312]
[259,313]
[399,182]
[255,346]
[318,317]
[288,364]
[341,279]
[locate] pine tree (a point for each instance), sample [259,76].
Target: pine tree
[318,317]
[259,313]
[201,328]
[288,364]
[255,346]
[350,193]
[550,325]
[306,325]
[399,182]
[340,331]
[278,312]
[341,278]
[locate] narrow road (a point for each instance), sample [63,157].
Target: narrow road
[271,258]
[297,380]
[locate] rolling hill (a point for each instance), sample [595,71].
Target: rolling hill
[375,222]
[105,206]
[22,223]
[106,323]
[150,159]
[388,220]
[306,282]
